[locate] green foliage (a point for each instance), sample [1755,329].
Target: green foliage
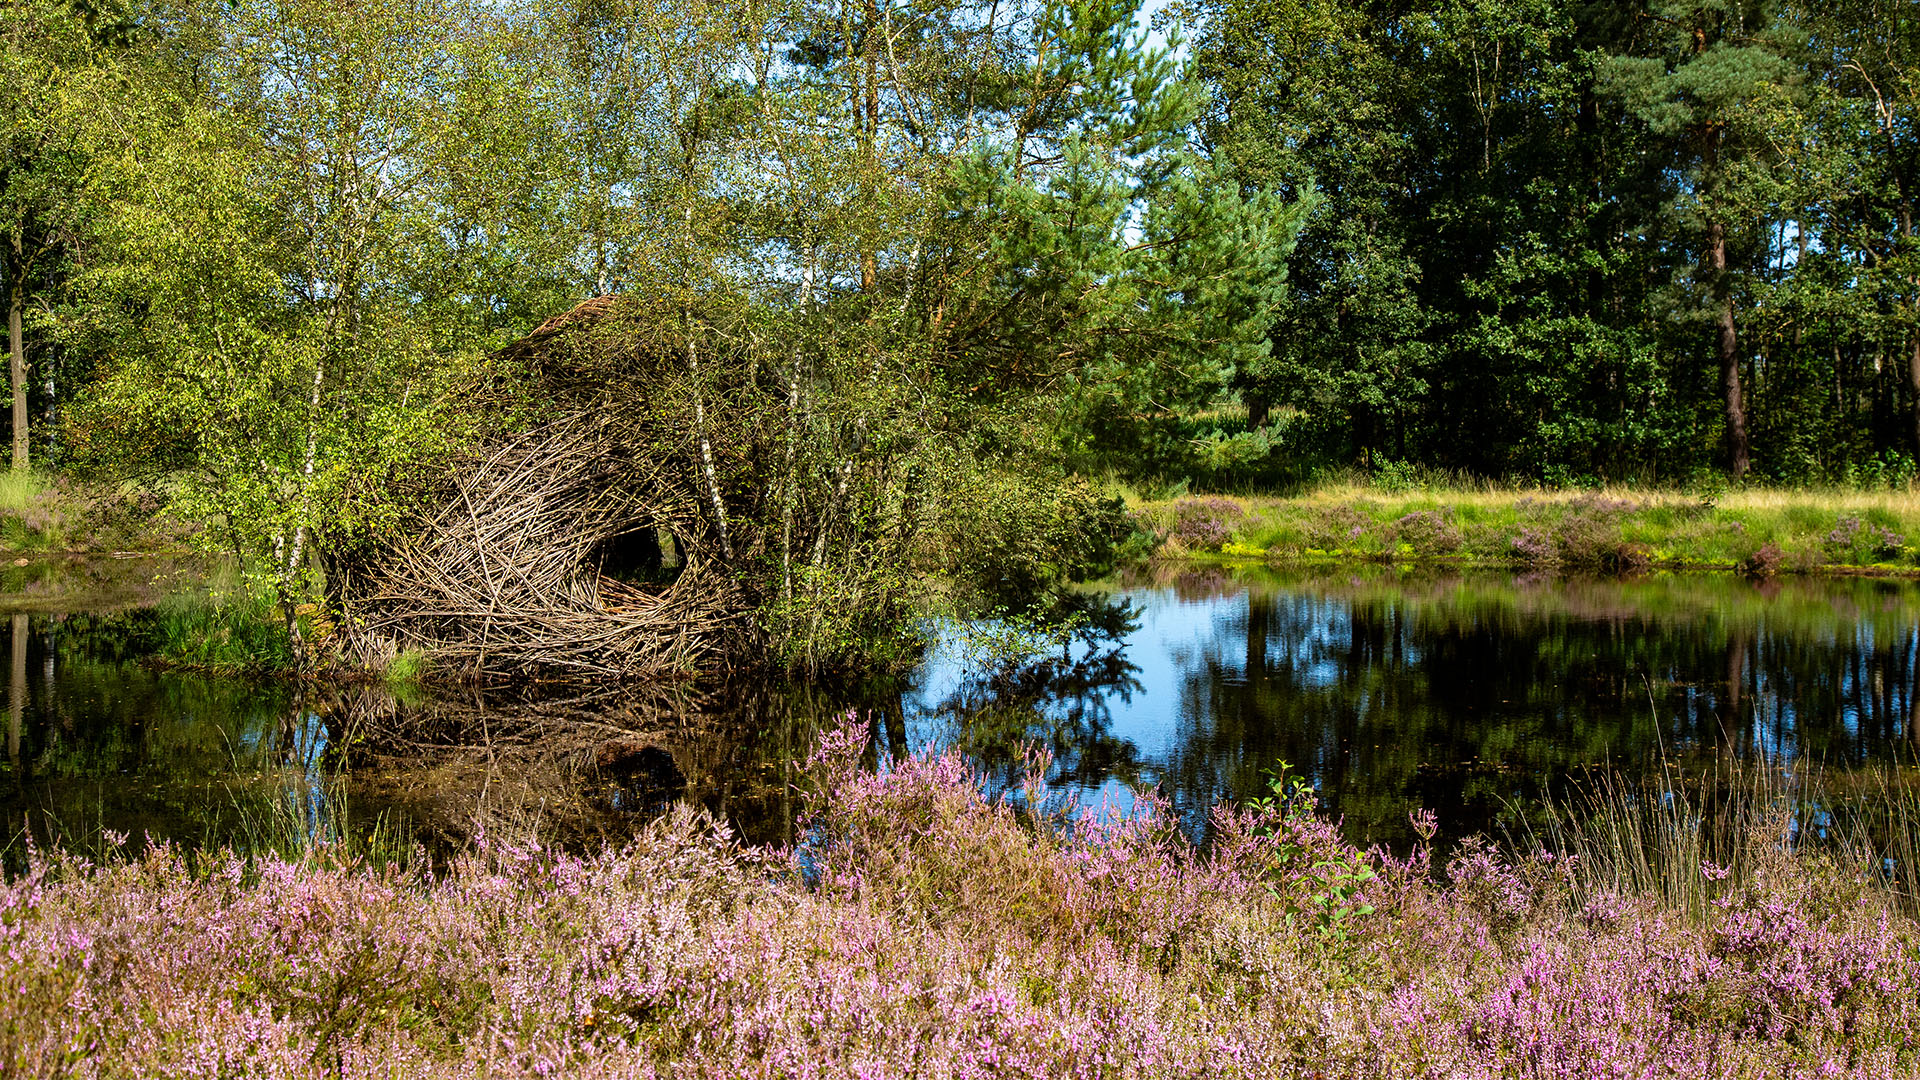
[1510,268]
[903,271]
[1322,885]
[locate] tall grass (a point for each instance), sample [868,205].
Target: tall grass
[292,818]
[19,490]
[33,515]
[309,821]
[217,631]
[1685,841]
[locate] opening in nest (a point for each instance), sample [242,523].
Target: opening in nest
[642,556]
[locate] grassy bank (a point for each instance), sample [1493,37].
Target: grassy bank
[1763,531]
[220,624]
[42,513]
[934,932]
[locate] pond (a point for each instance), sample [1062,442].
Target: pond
[1389,689]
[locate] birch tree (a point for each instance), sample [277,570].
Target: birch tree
[305,247]
[57,84]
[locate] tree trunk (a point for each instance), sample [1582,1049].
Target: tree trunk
[1257,409]
[706,446]
[790,496]
[1727,349]
[1913,380]
[17,372]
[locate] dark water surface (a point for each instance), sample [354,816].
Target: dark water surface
[1468,693]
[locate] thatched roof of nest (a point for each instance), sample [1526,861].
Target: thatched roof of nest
[521,557]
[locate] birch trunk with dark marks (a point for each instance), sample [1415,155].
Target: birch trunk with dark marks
[17,366]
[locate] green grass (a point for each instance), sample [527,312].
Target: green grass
[221,631]
[406,671]
[20,489]
[50,512]
[1675,836]
[1769,530]
[34,514]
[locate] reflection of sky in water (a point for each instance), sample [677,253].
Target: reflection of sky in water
[1458,694]
[1169,630]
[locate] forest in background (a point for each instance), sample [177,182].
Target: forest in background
[895,275]
[1561,241]
[1579,241]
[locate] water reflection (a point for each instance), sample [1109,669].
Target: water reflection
[96,740]
[1468,692]
[1464,693]
[997,706]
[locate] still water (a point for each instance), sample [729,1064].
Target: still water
[1467,693]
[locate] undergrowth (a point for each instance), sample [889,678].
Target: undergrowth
[42,512]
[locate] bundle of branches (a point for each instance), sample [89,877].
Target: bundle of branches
[499,565]
[505,576]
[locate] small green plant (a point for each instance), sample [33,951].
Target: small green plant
[407,669]
[1321,882]
[1391,475]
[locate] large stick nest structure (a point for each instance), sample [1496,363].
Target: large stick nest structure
[501,568]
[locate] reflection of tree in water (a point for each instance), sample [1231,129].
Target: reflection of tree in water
[1060,699]
[97,739]
[1470,694]
[1456,692]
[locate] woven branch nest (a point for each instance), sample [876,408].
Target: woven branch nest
[501,577]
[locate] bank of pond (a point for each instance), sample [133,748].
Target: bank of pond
[1757,532]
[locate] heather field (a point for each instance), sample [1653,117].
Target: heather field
[931,931]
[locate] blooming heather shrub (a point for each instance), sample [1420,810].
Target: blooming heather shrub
[1337,528]
[1595,543]
[1205,523]
[1853,540]
[1582,540]
[933,931]
[1765,562]
[1429,533]
[1535,547]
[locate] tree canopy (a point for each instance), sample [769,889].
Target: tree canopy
[260,254]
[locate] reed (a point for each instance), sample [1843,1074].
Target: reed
[1684,841]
